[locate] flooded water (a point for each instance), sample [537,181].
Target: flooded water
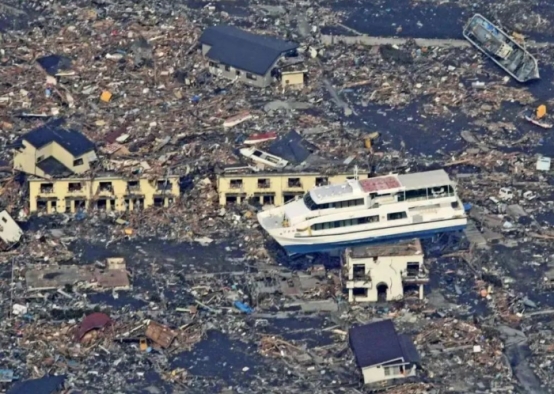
[218,356]
[445,20]
[408,127]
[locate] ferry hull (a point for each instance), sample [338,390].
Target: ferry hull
[300,246]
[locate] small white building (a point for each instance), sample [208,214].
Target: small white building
[381,353]
[384,272]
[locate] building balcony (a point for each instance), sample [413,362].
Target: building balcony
[419,277]
[353,284]
[104,191]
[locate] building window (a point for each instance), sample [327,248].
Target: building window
[267,199]
[227,68]
[412,269]
[360,292]
[263,183]
[294,182]
[5,220]
[39,159]
[231,198]
[75,187]
[291,196]
[393,371]
[237,72]
[164,185]
[251,76]
[396,216]
[322,181]
[105,187]
[47,188]
[159,201]
[235,183]
[78,162]
[133,186]
[358,272]
[214,65]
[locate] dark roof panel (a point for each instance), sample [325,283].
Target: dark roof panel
[53,167]
[411,354]
[71,140]
[244,50]
[53,64]
[378,343]
[291,147]
[44,385]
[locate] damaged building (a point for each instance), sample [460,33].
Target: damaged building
[250,58]
[64,175]
[381,353]
[54,150]
[107,192]
[236,185]
[385,272]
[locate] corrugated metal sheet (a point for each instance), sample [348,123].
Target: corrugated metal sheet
[91,322]
[160,334]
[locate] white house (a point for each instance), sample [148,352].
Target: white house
[384,272]
[381,353]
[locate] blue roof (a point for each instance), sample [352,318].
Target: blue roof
[54,167]
[71,140]
[244,50]
[291,147]
[378,343]
[53,64]
[44,385]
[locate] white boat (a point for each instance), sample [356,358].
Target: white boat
[265,158]
[373,210]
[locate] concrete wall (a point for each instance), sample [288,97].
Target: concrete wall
[260,81]
[60,199]
[232,73]
[327,39]
[292,79]
[377,374]
[386,269]
[278,185]
[25,160]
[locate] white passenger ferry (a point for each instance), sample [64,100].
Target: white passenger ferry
[373,210]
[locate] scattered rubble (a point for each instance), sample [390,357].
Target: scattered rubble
[135,162]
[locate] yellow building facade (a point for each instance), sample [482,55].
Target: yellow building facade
[108,193]
[273,188]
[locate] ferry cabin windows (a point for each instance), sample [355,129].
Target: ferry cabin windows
[426,193]
[311,204]
[396,216]
[345,223]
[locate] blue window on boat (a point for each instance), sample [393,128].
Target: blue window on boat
[345,223]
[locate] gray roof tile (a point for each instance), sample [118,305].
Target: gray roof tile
[244,50]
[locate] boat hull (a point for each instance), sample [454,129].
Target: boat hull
[500,34]
[305,245]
